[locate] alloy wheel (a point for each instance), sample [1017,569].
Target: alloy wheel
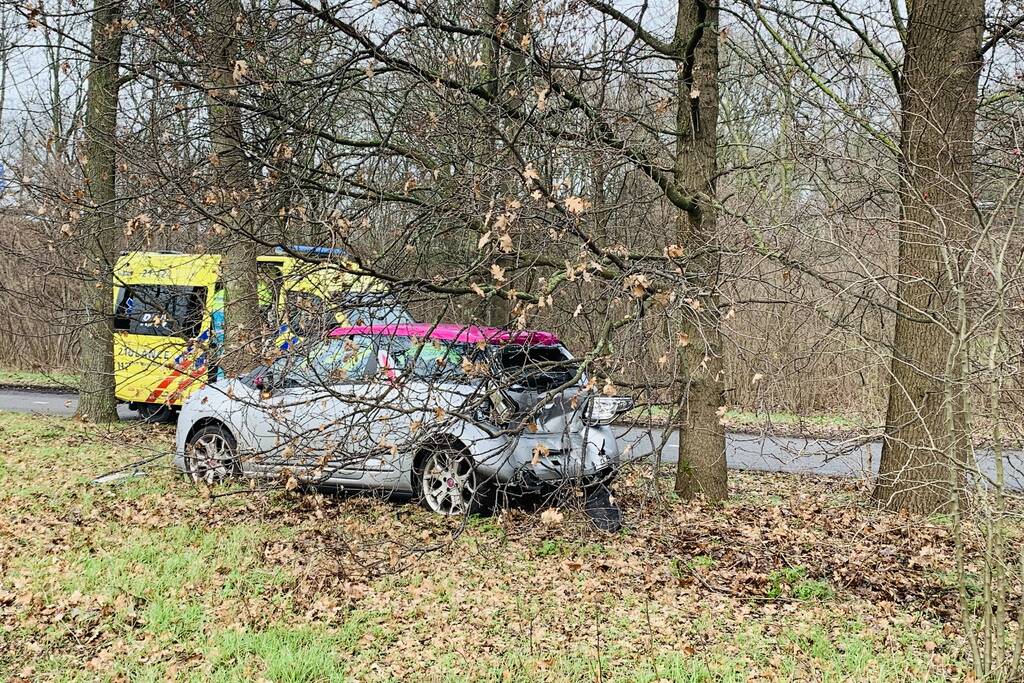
[449,484]
[212,458]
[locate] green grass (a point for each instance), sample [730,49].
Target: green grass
[551,548]
[289,655]
[38,378]
[744,419]
[151,580]
[793,582]
[702,562]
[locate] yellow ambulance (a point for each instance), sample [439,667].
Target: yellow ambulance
[169,314]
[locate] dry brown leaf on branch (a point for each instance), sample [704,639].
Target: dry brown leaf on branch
[240,71]
[576,205]
[505,243]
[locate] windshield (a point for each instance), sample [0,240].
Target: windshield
[538,368]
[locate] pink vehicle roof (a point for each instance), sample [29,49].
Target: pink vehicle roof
[466,334]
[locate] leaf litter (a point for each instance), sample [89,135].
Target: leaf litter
[87,572]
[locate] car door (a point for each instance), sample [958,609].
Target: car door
[420,376]
[369,421]
[350,423]
[308,413]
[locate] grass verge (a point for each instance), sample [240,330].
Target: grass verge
[38,379]
[155,579]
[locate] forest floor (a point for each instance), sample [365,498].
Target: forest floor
[156,578]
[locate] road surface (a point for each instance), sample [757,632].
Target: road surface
[47,403]
[743,451]
[798,455]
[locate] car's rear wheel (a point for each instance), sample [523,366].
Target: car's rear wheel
[449,483]
[211,455]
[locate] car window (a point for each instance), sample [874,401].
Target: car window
[334,361]
[161,310]
[431,359]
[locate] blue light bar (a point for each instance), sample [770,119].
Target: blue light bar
[311,252]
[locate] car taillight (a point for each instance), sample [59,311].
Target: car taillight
[602,410]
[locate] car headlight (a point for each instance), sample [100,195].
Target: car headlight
[602,410]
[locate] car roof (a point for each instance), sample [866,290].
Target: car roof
[467,334]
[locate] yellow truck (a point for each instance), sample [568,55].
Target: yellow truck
[169,315]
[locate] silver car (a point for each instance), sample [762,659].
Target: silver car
[452,414]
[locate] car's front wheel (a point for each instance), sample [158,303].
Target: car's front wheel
[449,483]
[211,455]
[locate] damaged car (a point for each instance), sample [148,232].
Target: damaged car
[458,416]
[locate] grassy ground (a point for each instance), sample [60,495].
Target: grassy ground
[33,378]
[155,579]
[818,425]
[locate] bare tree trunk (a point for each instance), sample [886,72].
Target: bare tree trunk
[701,469]
[96,401]
[231,183]
[921,450]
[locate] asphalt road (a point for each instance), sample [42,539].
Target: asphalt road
[797,455]
[743,451]
[47,403]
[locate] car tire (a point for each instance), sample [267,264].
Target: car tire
[448,483]
[211,455]
[600,508]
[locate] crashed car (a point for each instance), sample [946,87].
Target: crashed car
[455,415]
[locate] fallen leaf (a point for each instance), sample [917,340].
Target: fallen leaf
[551,517]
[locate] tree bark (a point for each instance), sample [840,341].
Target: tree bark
[96,400]
[922,448]
[232,189]
[701,470]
